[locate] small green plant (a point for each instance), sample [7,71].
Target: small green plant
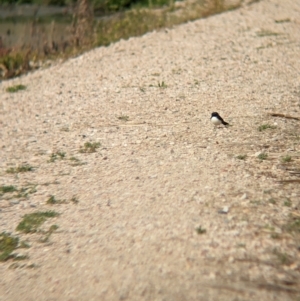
[15,88]
[8,244]
[293,225]
[76,162]
[123,118]
[31,222]
[9,188]
[48,233]
[266,126]
[272,201]
[241,157]
[262,156]
[162,85]
[200,230]
[286,159]
[22,168]
[58,155]
[90,147]
[283,258]
[287,203]
[52,201]
[25,191]
[74,200]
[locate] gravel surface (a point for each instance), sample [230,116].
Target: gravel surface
[170,208]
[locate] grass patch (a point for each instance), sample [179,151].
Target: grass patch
[293,225]
[123,118]
[8,244]
[86,32]
[57,156]
[31,222]
[74,200]
[272,201]
[76,162]
[200,230]
[52,201]
[15,88]
[262,156]
[22,168]
[90,147]
[287,203]
[162,85]
[6,189]
[283,258]
[286,159]
[241,157]
[51,230]
[266,126]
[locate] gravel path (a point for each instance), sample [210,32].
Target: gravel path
[162,171]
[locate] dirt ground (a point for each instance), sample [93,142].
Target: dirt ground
[169,207]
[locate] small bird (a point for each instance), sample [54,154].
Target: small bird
[216,119]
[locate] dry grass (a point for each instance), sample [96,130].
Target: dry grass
[86,32]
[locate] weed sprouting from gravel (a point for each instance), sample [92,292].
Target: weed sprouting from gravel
[162,85]
[266,126]
[22,168]
[58,155]
[51,230]
[6,189]
[241,157]
[15,88]
[8,244]
[286,159]
[283,258]
[31,222]
[74,200]
[262,156]
[200,230]
[90,147]
[52,201]
[287,203]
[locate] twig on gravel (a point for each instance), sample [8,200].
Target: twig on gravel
[284,116]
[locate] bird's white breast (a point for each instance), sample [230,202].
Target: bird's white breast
[215,121]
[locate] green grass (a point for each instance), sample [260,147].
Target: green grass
[266,126]
[9,188]
[134,18]
[287,203]
[162,85]
[15,88]
[200,230]
[59,155]
[48,233]
[22,168]
[241,157]
[31,222]
[293,225]
[52,201]
[286,159]
[90,147]
[8,244]
[262,156]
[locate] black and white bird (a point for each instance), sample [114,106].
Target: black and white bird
[216,119]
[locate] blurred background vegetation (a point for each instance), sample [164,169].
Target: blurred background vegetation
[34,32]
